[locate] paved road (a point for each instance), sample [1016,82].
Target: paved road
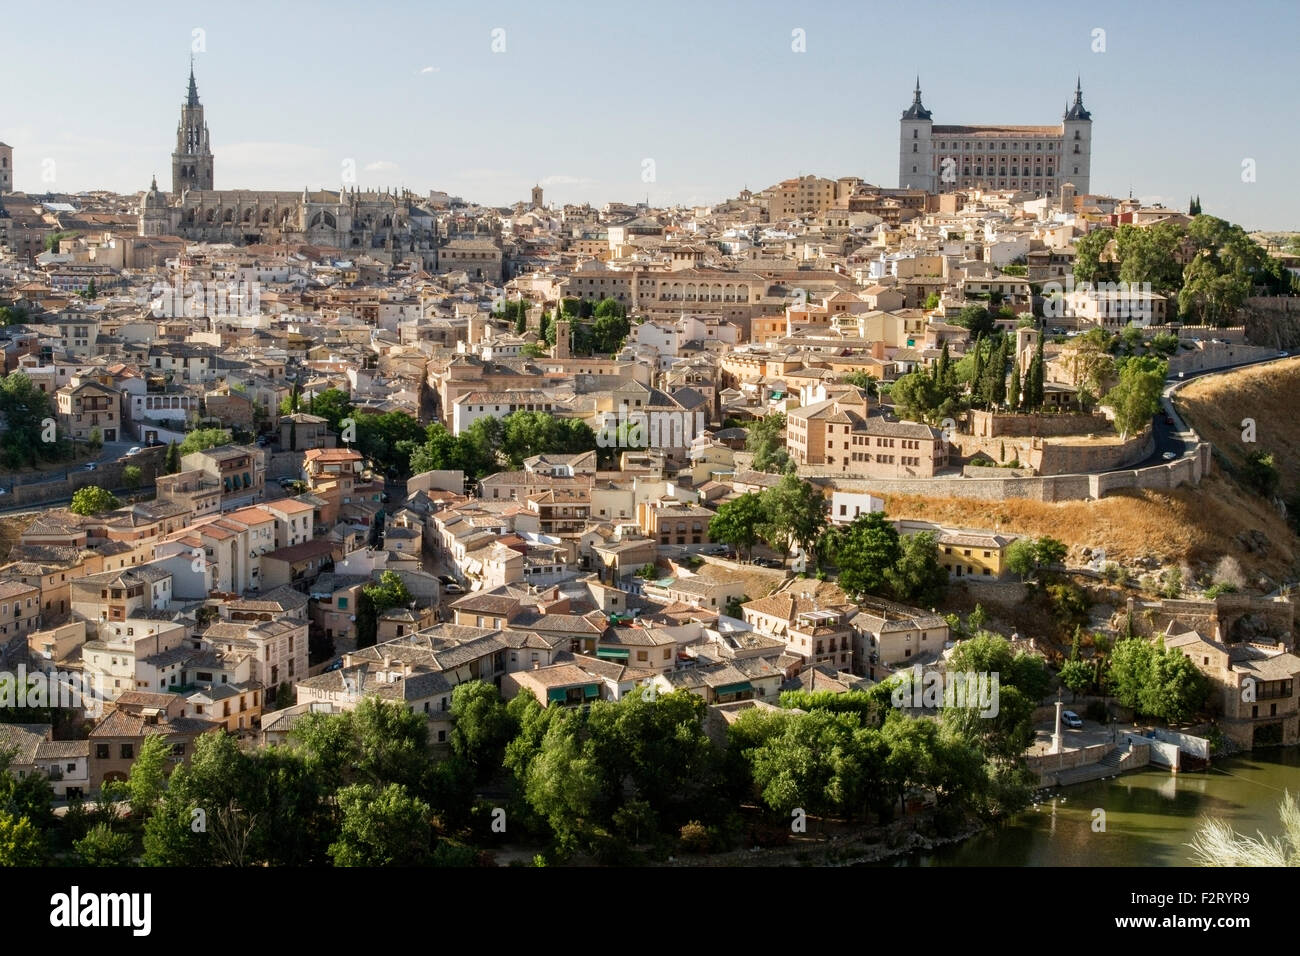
[1177,439]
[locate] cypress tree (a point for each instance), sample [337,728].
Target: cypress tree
[998,373]
[977,379]
[1013,394]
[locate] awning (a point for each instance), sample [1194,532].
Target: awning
[733,688]
[612,652]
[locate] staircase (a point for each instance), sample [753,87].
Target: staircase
[1115,758]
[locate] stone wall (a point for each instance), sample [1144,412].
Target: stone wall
[106,475]
[989,425]
[1049,488]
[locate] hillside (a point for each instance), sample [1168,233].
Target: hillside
[1196,526]
[1215,407]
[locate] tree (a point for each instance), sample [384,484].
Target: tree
[387,827]
[20,841]
[482,726]
[738,522]
[1128,670]
[609,330]
[201,439]
[93,500]
[333,405]
[562,782]
[25,410]
[1022,557]
[102,847]
[172,463]
[918,577]
[865,552]
[1077,676]
[132,477]
[977,319]
[1260,473]
[1136,399]
[796,514]
[374,600]
[765,440]
[864,381]
[1048,551]
[1088,249]
[1013,390]
[148,777]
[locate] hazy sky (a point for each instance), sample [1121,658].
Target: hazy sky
[583,94]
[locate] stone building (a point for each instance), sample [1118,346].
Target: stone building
[1032,159]
[396,221]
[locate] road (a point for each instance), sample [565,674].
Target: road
[1177,439]
[111,451]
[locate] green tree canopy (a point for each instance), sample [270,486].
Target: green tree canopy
[738,522]
[93,500]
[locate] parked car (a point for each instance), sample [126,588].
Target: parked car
[769,563]
[453,588]
[133,450]
[1071,719]
[90,466]
[1169,456]
[1283,354]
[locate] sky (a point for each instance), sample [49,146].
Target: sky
[674,102]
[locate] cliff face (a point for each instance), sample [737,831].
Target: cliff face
[1273,322]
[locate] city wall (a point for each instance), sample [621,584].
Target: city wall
[106,475]
[1049,488]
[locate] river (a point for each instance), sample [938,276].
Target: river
[1150,816]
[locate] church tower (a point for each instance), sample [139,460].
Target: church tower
[192,160]
[6,169]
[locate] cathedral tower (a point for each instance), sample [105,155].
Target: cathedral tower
[192,160]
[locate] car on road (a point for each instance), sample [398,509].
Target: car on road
[1169,456]
[90,466]
[1071,719]
[1283,354]
[453,588]
[133,450]
[714,549]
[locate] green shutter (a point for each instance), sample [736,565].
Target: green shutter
[591,690]
[556,695]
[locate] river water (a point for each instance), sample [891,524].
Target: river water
[1149,817]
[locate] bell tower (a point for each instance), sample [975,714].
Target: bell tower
[192,159]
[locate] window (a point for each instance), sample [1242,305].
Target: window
[128,751]
[178,749]
[101,751]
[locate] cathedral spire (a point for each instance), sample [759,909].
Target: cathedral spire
[193,98]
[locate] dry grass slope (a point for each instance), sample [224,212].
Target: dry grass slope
[1196,525]
[1216,406]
